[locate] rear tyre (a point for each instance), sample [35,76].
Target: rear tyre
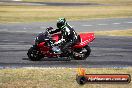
[34,54]
[82,54]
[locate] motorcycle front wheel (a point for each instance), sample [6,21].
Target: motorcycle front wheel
[34,54]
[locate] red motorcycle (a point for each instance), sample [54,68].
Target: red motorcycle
[43,47]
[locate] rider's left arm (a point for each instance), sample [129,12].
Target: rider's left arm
[60,41]
[54,31]
[62,37]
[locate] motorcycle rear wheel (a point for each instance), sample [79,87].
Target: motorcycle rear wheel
[34,54]
[82,55]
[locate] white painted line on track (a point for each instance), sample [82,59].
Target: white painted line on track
[24,28]
[128,22]
[21,41]
[116,23]
[5,40]
[102,24]
[87,25]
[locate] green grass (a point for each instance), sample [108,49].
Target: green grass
[115,2]
[13,13]
[127,32]
[118,8]
[9,14]
[55,78]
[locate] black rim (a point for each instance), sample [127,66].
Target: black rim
[83,53]
[33,54]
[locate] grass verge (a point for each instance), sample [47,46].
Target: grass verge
[119,2]
[14,13]
[127,32]
[10,14]
[55,78]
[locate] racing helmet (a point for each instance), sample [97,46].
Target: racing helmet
[61,23]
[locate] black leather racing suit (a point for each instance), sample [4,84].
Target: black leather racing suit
[69,37]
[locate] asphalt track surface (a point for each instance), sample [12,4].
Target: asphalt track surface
[17,38]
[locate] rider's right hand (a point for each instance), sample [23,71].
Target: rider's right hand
[49,29]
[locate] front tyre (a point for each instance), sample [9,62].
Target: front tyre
[82,54]
[34,54]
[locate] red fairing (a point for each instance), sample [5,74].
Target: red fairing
[86,38]
[45,49]
[41,44]
[56,37]
[42,47]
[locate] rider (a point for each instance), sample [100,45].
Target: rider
[69,36]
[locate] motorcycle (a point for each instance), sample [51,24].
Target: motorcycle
[44,44]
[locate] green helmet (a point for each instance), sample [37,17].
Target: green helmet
[61,23]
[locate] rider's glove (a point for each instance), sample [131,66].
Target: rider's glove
[57,43]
